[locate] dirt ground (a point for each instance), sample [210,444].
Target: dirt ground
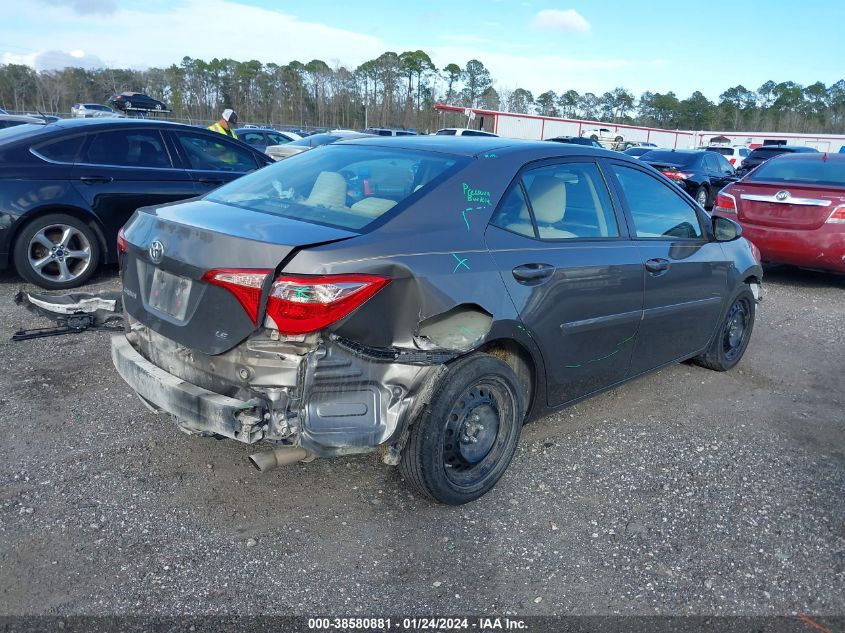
[684,492]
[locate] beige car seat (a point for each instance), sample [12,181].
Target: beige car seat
[329,190]
[548,199]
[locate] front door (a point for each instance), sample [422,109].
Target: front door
[212,159]
[573,274]
[685,271]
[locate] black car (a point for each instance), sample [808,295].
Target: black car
[67,187]
[638,150]
[474,285]
[137,101]
[261,138]
[700,173]
[762,154]
[576,140]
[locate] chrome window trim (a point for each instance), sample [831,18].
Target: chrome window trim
[808,202]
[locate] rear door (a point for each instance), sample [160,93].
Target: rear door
[572,272]
[212,159]
[120,170]
[685,272]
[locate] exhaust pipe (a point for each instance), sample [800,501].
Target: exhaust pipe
[283,456]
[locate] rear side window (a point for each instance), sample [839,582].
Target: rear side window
[61,151]
[445,133]
[346,186]
[206,152]
[513,214]
[815,171]
[127,148]
[569,201]
[656,208]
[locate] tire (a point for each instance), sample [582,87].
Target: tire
[729,344]
[619,139]
[127,105]
[450,456]
[56,252]
[702,197]
[594,137]
[159,107]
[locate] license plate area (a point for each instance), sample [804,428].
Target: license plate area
[169,294]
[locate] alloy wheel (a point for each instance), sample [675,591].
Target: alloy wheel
[59,253]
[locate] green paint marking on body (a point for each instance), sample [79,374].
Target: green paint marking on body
[476,195]
[461,262]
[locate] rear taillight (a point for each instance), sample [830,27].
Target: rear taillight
[725,203]
[732,161]
[838,215]
[121,242]
[674,174]
[245,284]
[299,304]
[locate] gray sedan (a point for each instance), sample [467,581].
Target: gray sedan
[423,297]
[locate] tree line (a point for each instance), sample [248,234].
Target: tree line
[399,90]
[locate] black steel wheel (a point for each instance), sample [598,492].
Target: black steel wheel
[731,340]
[461,445]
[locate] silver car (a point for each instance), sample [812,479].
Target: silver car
[91,110]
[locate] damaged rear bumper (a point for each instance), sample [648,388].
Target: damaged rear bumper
[196,409]
[340,400]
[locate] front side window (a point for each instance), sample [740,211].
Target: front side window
[348,186]
[127,148]
[204,151]
[253,138]
[657,209]
[277,139]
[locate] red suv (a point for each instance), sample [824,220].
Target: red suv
[792,208]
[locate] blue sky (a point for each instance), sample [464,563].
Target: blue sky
[538,45]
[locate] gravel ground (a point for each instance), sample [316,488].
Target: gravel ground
[684,492]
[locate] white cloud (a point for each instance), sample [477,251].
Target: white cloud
[140,38]
[569,21]
[53,60]
[86,7]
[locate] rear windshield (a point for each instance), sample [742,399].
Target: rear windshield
[671,158]
[345,186]
[445,133]
[767,152]
[724,151]
[796,170]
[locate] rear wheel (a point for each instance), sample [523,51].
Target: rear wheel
[462,443]
[56,252]
[618,139]
[127,105]
[701,197]
[731,341]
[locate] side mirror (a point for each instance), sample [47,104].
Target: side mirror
[726,230]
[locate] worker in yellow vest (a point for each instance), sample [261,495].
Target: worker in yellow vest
[227,123]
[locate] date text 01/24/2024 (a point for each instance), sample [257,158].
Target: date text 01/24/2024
[434,624]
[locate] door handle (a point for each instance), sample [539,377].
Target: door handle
[211,181]
[90,180]
[533,274]
[657,266]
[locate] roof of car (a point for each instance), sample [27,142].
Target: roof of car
[789,148]
[473,145]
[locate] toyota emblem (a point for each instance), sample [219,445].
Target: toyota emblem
[781,195]
[156,252]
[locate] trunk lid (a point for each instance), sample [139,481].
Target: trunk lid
[784,205]
[170,248]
